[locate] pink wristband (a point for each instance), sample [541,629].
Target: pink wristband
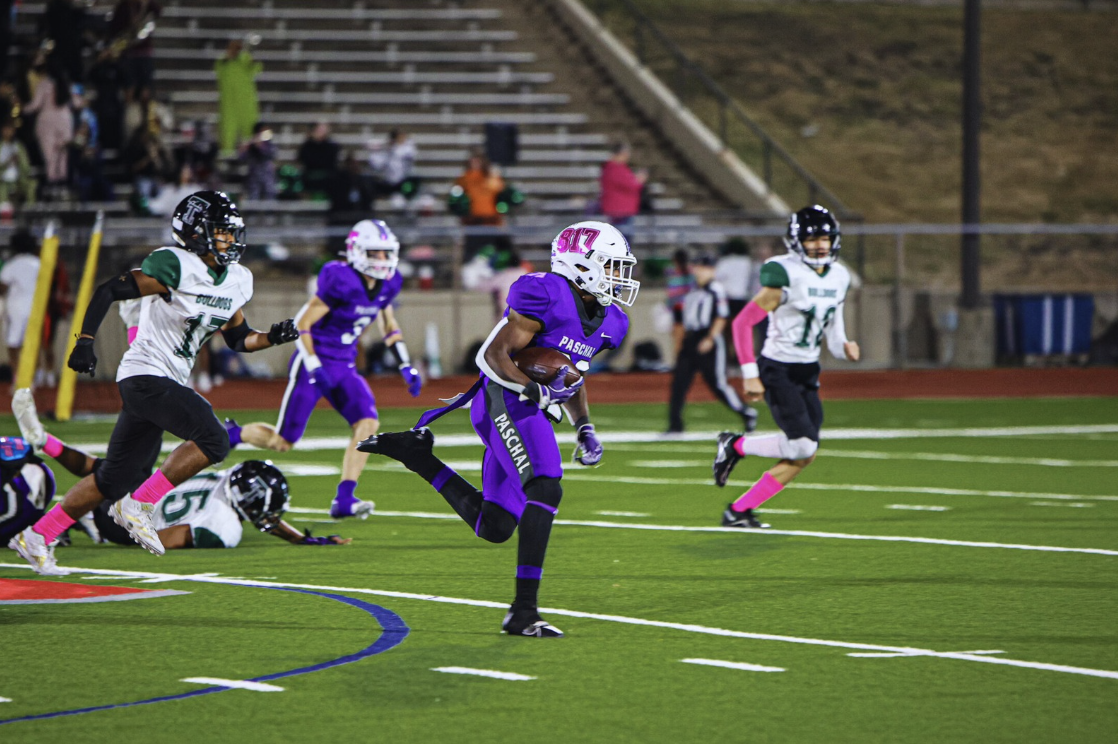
[132,331]
[751,315]
[53,446]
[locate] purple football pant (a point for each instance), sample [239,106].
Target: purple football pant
[519,446]
[352,398]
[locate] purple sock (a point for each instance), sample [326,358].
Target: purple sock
[234,433]
[345,490]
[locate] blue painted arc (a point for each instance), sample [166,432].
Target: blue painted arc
[393,632]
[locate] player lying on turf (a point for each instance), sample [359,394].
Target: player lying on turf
[573,310]
[804,291]
[27,487]
[204,512]
[190,291]
[351,295]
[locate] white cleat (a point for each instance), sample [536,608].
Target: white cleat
[34,549]
[135,516]
[30,428]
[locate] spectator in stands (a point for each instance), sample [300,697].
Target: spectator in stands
[87,174]
[170,195]
[10,105]
[680,281]
[349,190]
[130,32]
[238,110]
[481,183]
[17,285]
[318,156]
[392,165]
[734,272]
[621,188]
[17,184]
[259,154]
[198,151]
[54,127]
[63,22]
[148,164]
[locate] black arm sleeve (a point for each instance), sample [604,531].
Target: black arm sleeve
[123,287]
[235,336]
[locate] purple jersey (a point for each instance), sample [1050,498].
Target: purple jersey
[553,301]
[353,306]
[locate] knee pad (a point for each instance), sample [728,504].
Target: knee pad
[801,449]
[496,524]
[547,491]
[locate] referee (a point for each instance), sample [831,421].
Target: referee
[703,348]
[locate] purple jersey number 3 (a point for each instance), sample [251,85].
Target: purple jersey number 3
[570,238]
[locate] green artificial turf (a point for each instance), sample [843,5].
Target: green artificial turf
[613,681]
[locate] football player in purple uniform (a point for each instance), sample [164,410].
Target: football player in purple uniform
[574,310]
[351,295]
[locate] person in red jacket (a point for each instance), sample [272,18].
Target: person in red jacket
[621,189]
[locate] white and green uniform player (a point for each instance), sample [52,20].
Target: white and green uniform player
[203,505]
[810,309]
[802,296]
[189,292]
[173,327]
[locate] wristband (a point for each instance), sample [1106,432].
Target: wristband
[582,421]
[392,334]
[305,332]
[749,371]
[312,363]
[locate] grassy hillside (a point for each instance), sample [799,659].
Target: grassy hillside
[868,97]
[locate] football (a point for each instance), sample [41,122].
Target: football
[542,364]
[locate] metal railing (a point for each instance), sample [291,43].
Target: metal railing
[735,129]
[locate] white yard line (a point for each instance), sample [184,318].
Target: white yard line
[512,676]
[1072,504]
[622,514]
[733,665]
[684,627]
[237,684]
[917,507]
[469,440]
[734,530]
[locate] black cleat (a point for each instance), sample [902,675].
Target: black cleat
[744,520]
[529,623]
[749,418]
[725,458]
[406,446]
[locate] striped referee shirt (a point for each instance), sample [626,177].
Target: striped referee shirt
[702,305]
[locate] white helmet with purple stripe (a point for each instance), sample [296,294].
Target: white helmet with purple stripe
[596,257]
[366,239]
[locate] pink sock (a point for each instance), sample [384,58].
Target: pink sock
[762,491]
[132,331]
[53,523]
[53,447]
[739,446]
[153,489]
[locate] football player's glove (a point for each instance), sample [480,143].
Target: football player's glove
[556,391]
[283,332]
[412,379]
[589,450]
[82,359]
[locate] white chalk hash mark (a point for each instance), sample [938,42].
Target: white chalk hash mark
[918,507]
[511,676]
[733,665]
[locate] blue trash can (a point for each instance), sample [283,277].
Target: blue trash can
[1044,325]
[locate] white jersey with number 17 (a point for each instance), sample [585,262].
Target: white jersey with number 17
[810,308]
[172,328]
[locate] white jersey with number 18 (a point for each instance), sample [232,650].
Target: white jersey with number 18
[173,327]
[811,306]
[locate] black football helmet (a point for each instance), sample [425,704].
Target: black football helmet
[259,493]
[199,216]
[813,222]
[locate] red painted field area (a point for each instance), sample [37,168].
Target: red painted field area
[40,591]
